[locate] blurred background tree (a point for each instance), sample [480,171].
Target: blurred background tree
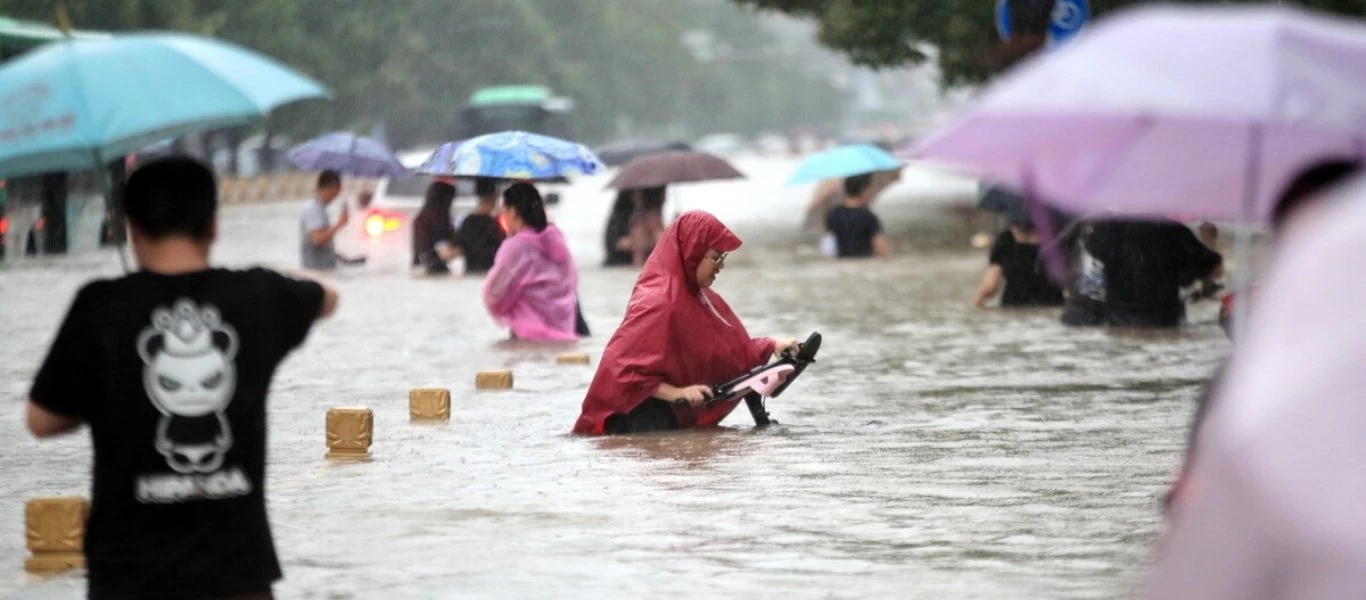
[962,33]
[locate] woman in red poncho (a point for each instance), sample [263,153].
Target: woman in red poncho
[678,338]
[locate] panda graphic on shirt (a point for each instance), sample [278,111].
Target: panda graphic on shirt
[190,377]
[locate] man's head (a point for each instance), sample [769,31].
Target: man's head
[1308,186]
[172,197]
[486,189]
[329,186]
[855,186]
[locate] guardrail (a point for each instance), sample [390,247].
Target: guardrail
[280,187]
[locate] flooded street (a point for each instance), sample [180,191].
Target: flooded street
[934,451]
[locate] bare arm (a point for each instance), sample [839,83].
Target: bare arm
[45,423]
[880,246]
[323,235]
[991,283]
[694,394]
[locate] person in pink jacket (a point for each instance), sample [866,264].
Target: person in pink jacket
[532,286]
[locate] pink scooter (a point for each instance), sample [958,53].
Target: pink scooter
[768,381]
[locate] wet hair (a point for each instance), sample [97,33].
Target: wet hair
[438,199]
[1309,182]
[526,200]
[328,178]
[652,198]
[485,186]
[172,196]
[856,185]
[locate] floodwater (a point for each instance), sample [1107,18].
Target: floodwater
[935,451]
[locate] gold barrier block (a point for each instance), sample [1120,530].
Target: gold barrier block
[349,432]
[55,532]
[493,380]
[573,359]
[429,404]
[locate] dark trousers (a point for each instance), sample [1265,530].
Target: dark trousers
[651,415]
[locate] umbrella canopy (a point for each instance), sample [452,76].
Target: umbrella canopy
[1206,111]
[347,153]
[844,161]
[621,152]
[658,170]
[512,155]
[77,104]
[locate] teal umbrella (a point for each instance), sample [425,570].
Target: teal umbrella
[844,161]
[77,104]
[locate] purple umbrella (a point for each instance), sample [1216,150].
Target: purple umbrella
[347,153]
[1167,110]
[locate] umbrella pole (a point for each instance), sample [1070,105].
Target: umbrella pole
[1242,240]
[113,207]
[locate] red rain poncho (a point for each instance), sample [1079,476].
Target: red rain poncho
[670,334]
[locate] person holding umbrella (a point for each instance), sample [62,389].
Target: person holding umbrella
[317,251]
[856,230]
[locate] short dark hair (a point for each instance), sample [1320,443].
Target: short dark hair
[174,195]
[1317,178]
[485,186]
[328,178]
[526,200]
[857,184]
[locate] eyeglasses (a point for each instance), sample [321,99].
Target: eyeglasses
[719,258]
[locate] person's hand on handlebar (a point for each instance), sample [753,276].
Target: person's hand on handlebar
[694,395]
[786,346]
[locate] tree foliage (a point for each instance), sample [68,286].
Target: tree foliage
[892,33]
[412,64]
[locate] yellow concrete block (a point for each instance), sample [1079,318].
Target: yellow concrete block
[55,532]
[349,432]
[493,380]
[573,359]
[429,404]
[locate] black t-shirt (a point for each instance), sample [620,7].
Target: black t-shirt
[1146,264]
[1027,284]
[854,230]
[171,373]
[428,230]
[479,238]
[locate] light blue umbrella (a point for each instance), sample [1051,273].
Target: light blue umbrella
[77,104]
[844,161]
[349,154]
[513,155]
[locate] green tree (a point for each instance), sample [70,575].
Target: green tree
[879,33]
[413,64]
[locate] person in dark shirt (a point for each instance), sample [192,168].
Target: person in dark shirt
[1146,265]
[1015,262]
[616,241]
[480,235]
[434,237]
[857,231]
[170,366]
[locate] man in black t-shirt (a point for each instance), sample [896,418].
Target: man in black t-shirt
[1146,265]
[170,367]
[480,235]
[857,231]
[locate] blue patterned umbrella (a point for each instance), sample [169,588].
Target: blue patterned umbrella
[347,153]
[512,155]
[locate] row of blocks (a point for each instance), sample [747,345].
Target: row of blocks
[55,527]
[280,186]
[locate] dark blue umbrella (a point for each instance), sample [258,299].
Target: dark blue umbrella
[349,154]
